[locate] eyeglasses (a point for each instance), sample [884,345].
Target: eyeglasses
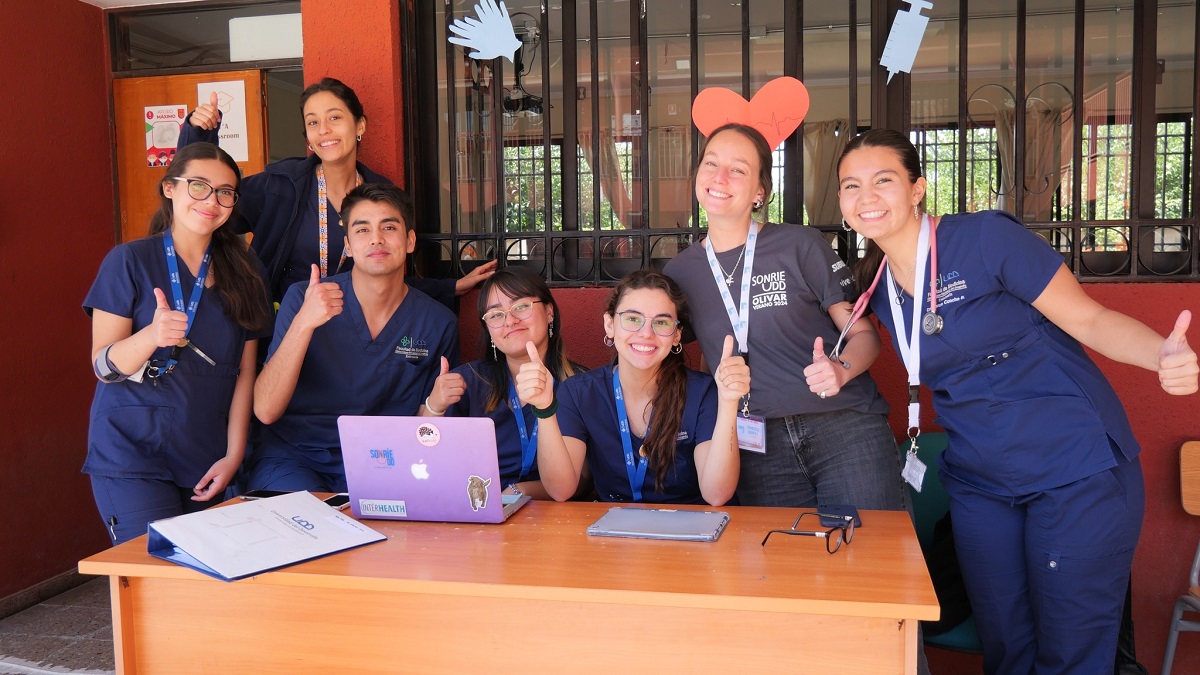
[199,190]
[496,318]
[833,537]
[633,320]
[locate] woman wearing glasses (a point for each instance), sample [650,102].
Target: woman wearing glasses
[292,206]
[520,317]
[648,428]
[175,322]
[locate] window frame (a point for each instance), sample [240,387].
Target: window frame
[577,256]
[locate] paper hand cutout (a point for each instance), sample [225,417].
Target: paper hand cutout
[491,35]
[905,37]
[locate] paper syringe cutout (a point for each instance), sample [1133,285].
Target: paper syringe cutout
[905,37]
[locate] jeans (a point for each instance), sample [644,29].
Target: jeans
[842,457]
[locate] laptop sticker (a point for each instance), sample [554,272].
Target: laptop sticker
[428,435]
[477,491]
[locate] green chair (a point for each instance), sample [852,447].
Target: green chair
[929,506]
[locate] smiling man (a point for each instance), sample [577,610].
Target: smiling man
[358,343]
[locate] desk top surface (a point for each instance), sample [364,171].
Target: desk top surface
[543,552]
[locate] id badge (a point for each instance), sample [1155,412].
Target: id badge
[752,433]
[914,470]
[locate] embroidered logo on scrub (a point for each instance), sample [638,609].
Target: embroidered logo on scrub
[477,491]
[412,348]
[951,288]
[772,290]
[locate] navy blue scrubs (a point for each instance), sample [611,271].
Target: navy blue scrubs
[346,372]
[587,411]
[1045,486]
[172,432]
[508,437]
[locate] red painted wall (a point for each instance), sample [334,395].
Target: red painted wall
[47,269]
[57,223]
[358,43]
[1161,423]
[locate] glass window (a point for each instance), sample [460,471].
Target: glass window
[174,38]
[576,157]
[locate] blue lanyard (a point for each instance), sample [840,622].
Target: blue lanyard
[635,469]
[528,440]
[177,287]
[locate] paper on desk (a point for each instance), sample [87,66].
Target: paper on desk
[244,539]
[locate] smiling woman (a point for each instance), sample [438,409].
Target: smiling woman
[648,428]
[292,208]
[156,357]
[785,296]
[522,319]
[1026,410]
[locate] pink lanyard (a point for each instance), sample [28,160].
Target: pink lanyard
[860,305]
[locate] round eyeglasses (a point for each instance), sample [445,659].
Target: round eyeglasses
[496,318]
[834,536]
[199,190]
[633,320]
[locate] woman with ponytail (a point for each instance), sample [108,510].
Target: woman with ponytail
[649,428]
[175,322]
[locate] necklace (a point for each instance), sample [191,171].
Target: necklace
[899,288]
[729,275]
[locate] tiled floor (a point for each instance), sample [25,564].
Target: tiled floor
[69,633]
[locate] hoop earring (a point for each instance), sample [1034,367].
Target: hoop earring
[677,348]
[551,331]
[494,357]
[360,138]
[608,342]
[846,226]
[310,147]
[758,205]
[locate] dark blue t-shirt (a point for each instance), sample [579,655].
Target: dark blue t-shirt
[587,410]
[1024,407]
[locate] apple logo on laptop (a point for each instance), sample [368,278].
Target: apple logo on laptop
[420,470]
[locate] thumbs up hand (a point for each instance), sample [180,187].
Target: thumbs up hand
[207,116]
[1177,369]
[448,389]
[322,301]
[732,374]
[824,377]
[168,327]
[535,384]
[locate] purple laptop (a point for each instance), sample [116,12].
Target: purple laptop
[424,468]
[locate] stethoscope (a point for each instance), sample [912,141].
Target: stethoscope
[931,322]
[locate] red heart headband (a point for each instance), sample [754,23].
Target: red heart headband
[776,110]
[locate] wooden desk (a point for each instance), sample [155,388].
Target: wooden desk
[537,594]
